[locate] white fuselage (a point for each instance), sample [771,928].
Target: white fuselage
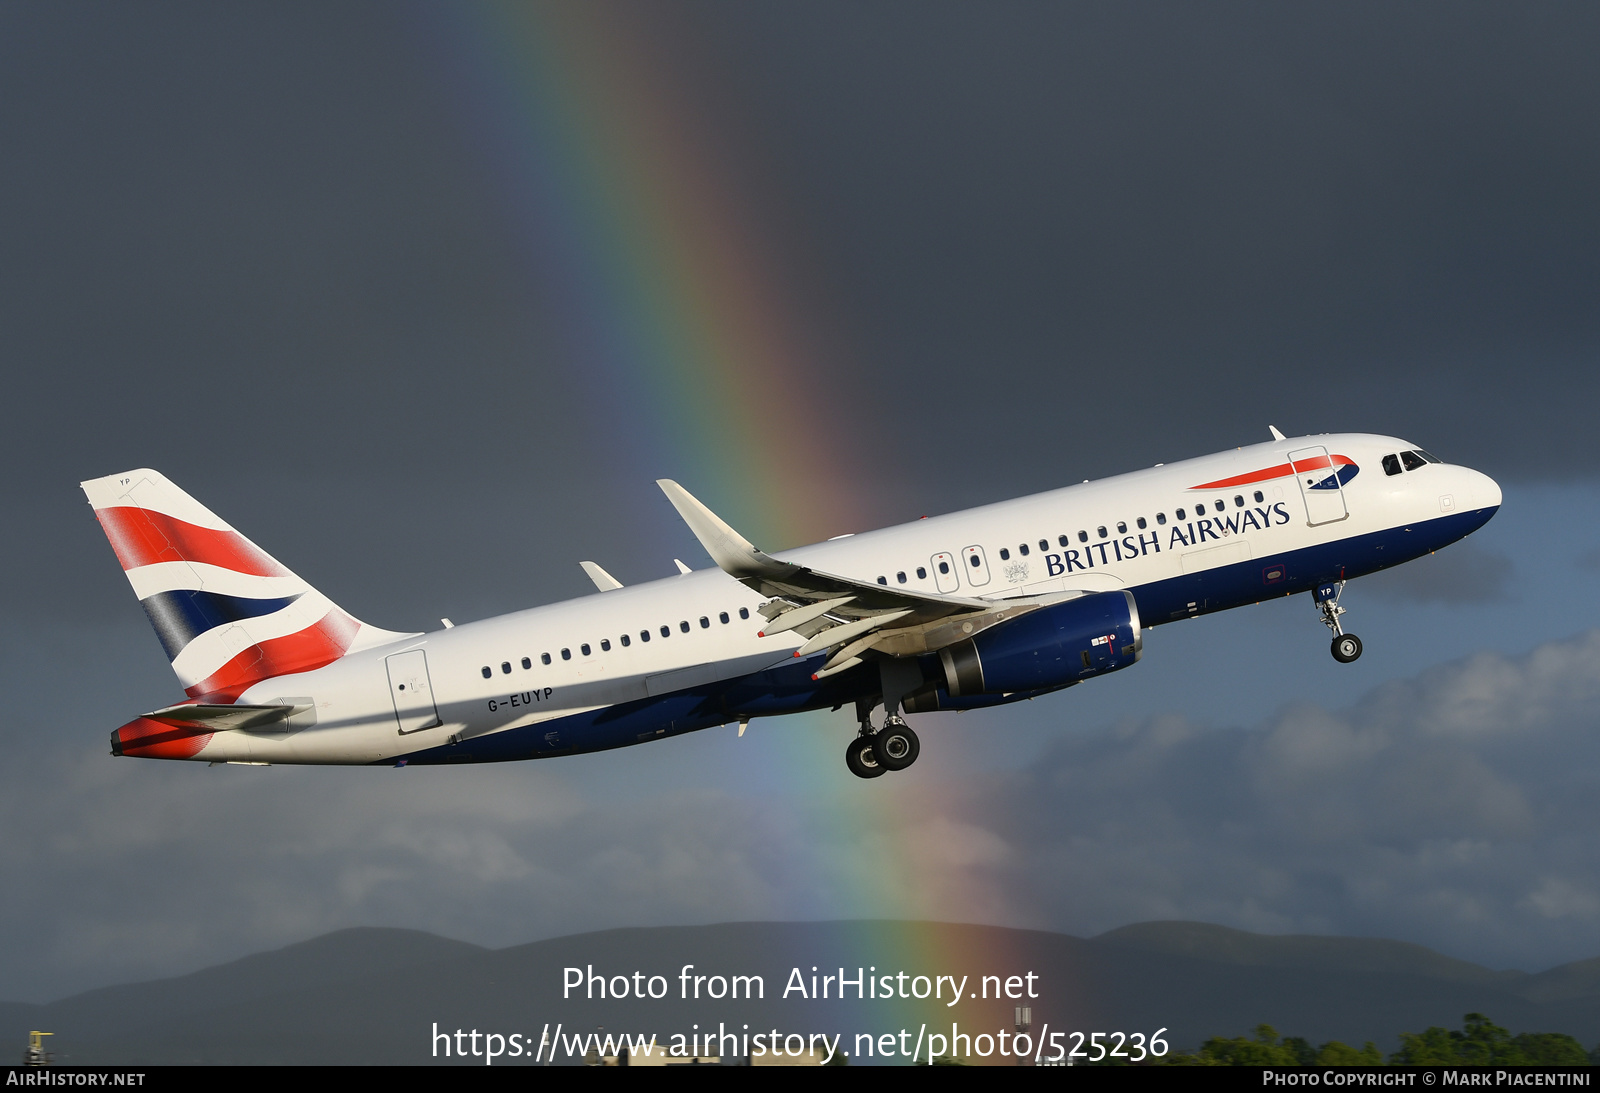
[549,667]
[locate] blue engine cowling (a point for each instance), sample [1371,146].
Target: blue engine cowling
[1045,649]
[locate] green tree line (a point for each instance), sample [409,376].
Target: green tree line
[1479,1042]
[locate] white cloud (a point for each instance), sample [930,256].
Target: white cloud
[1456,809]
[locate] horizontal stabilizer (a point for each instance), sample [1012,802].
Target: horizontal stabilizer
[219,718]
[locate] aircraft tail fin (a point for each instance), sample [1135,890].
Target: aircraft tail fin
[228,614]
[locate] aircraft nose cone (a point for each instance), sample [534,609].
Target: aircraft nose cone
[1485,491]
[1477,492]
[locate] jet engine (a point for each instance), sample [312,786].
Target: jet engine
[1040,651]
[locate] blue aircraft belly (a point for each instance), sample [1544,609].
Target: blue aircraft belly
[785,689]
[1299,570]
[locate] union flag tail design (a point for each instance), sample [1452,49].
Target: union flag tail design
[228,614]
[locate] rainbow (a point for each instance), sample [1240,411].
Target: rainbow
[674,320]
[644,245]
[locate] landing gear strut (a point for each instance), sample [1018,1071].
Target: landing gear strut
[1346,647]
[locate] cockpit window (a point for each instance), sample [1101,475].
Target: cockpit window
[1412,460]
[1428,456]
[1391,464]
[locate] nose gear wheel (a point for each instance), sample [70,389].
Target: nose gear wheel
[1346,647]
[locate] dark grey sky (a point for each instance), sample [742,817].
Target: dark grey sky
[1046,242]
[1163,223]
[263,249]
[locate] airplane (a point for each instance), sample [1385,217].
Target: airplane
[963,611]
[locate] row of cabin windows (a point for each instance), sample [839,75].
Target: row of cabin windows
[626,640]
[1413,460]
[1102,532]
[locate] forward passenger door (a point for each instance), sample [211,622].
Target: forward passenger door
[1320,487]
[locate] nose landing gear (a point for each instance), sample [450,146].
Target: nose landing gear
[1346,647]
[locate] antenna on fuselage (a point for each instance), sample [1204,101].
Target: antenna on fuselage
[1275,434]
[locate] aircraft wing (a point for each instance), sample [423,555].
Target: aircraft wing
[833,611]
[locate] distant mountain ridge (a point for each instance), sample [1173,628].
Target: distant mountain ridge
[374,995]
[1220,944]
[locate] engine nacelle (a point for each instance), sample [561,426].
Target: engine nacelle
[1048,648]
[936,699]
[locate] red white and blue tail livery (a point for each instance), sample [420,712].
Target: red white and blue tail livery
[228,614]
[971,609]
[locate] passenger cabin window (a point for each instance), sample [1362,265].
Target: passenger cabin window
[644,635]
[1412,461]
[1044,545]
[705,623]
[922,573]
[1102,531]
[544,658]
[666,631]
[1238,500]
[744,612]
[1260,497]
[566,654]
[526,663]
[901,576]
[883,580]
[1180,514]
[684,626]
[605,645]
[1122,527]
[1063,540]
[505,666]
[626,641]
[1005,554]
[584,648]
[944,567]
[1391,465]
[1083,536]
[1161,518]
[488,672]
[975,560]
[1143,523]
[724,618]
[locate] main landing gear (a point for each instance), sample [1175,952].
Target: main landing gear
[877,751]
[1346,647]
